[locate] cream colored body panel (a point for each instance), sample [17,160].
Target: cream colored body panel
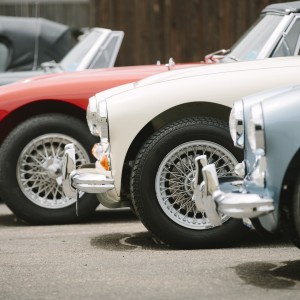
[130,111]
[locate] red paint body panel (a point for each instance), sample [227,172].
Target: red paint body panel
[73,87]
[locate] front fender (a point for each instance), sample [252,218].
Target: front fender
[130,111]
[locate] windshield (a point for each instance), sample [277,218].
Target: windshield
[251,43]
[72,60]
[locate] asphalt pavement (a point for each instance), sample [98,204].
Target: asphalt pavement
[114,257]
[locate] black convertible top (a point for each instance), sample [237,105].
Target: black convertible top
[32,41]
[283,8]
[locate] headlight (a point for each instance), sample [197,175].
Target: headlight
[256,134]
[96,116]
[236,124]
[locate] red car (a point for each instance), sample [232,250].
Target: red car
[39,116]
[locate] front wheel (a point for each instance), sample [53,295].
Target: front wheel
[161,182]
[31,169]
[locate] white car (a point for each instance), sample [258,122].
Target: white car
[151,131]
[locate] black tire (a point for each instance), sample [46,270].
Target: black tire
[30,158]
[293,225]
[263,232]
[169,229]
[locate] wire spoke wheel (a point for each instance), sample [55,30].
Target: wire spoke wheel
[162,182]
[174,181]
[39,169]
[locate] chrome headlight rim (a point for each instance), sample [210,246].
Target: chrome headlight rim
[91,116]
[236,124]
[102,124]
[97,117]
[256,129]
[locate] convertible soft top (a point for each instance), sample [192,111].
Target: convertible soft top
[32,41]
[283,8]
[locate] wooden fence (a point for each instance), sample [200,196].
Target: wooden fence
[75,13]
[154,29]
[183,29]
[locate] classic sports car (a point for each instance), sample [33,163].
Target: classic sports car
[150,133]
[38,117]
[97,48]
[269,185]
[33,112]
[25,43]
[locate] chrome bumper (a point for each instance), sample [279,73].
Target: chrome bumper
[89,180]
[209,198]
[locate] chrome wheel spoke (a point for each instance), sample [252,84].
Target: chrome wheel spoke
[174,181]
[39,167]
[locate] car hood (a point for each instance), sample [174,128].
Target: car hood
[203,70]
[220,68]
[80,82]
[109,73]
[11,77]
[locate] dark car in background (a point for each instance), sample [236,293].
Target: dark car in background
[25,43]
[31,47]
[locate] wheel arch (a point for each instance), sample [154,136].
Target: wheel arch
[37,108]
[190,109]
[290,178]
[286,198]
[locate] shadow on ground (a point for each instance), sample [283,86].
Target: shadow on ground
[101,215]
[270,275]
[145,241]
[128,241]
[142,240]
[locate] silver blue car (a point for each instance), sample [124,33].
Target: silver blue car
[266,188]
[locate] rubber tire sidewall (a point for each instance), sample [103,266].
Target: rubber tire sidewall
[143,185]
[293,225]
[10,151]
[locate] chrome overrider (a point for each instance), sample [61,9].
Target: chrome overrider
[210,197]
[86,179]
[97,178]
